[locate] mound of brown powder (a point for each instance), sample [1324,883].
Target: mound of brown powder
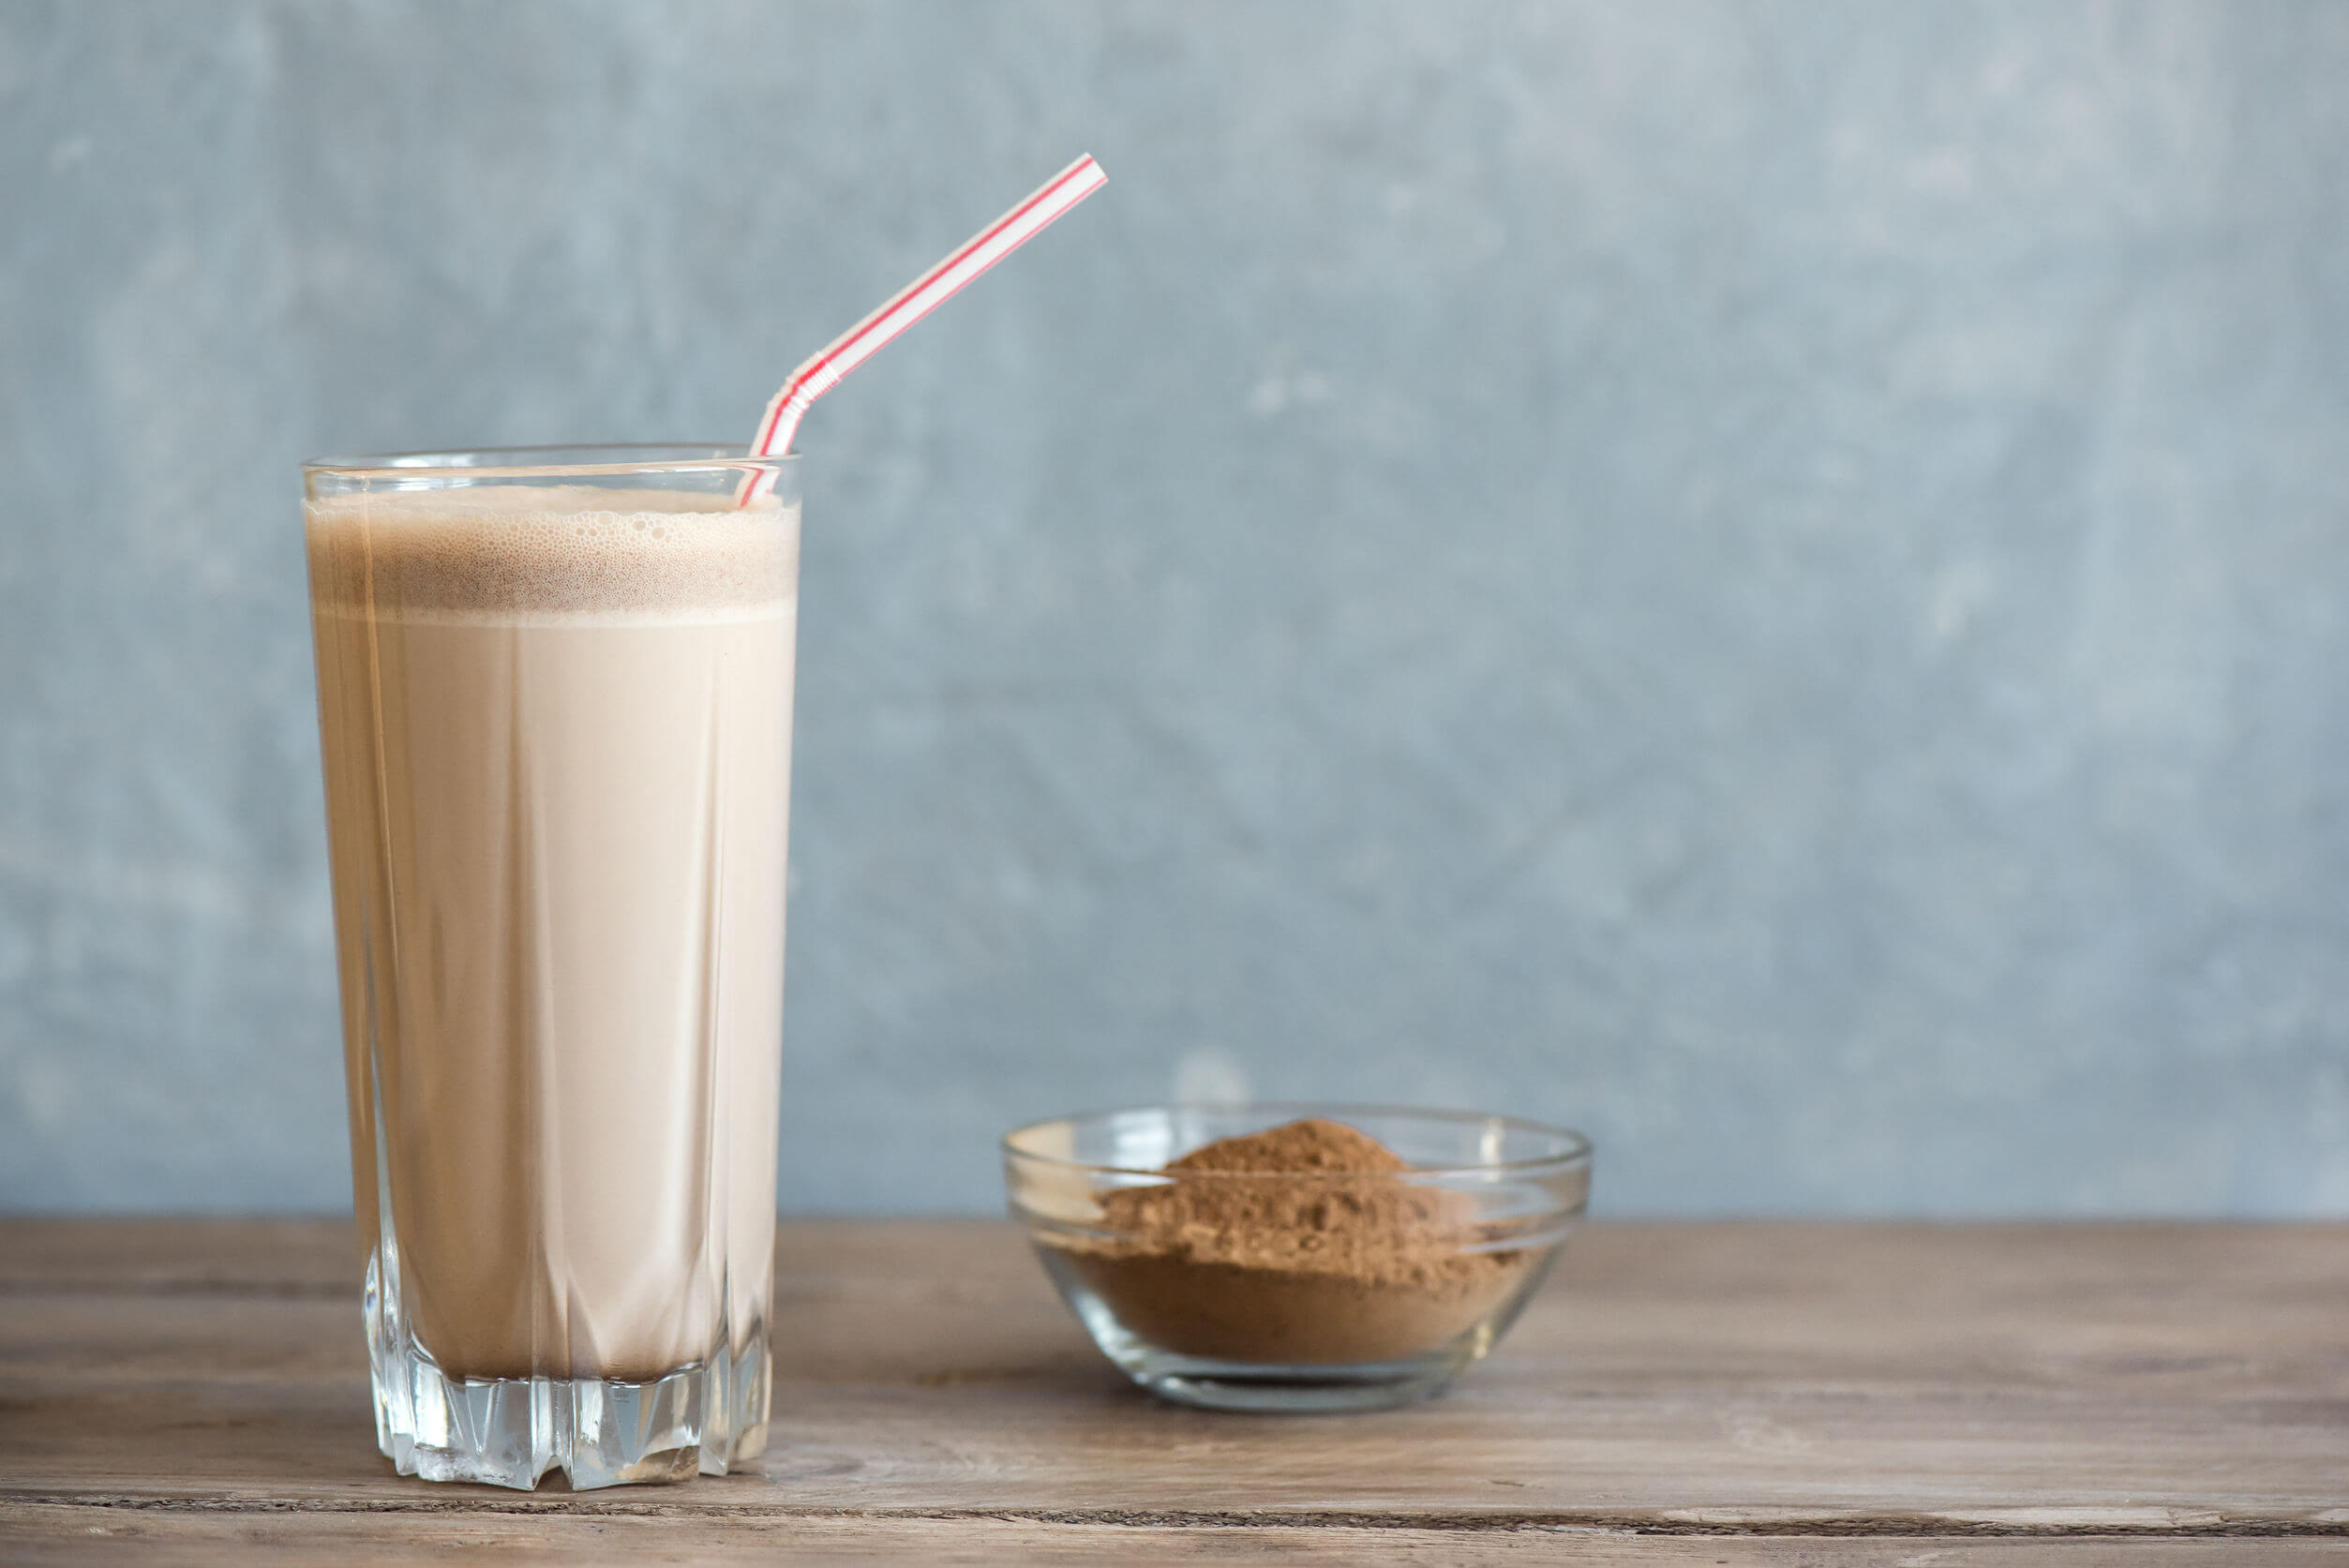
[1341,1264]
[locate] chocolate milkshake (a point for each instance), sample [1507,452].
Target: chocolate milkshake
[556,717]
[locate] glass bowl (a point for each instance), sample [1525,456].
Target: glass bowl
[1321,1289]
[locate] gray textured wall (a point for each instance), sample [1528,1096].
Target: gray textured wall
[1768,580]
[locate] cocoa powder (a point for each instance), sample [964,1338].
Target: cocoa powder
[1341,1264]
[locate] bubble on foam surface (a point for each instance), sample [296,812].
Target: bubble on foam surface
[565,550]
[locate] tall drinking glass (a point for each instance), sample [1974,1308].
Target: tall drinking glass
[555,704]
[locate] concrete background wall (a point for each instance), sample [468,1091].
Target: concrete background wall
[1768,580]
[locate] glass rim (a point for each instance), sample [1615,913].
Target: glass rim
[1576,1150]
[542,461]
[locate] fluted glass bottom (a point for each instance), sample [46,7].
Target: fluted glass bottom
[699,1419]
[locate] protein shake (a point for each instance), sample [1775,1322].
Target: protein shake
[556,715]
[555,694]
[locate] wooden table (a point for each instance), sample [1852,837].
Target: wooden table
[1682,1393]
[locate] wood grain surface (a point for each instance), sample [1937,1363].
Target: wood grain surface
[1681,1394]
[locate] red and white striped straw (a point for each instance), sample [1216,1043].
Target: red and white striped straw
[823,371]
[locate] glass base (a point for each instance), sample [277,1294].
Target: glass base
[598,1431]
[697,1420]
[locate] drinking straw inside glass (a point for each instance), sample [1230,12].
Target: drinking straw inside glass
[824,369]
